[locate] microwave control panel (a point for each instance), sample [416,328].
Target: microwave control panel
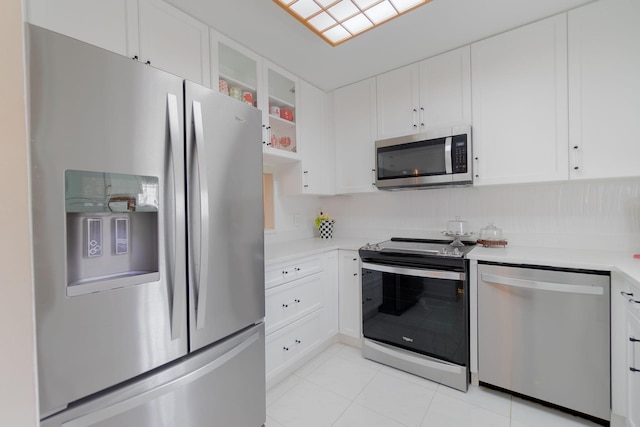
[459,154]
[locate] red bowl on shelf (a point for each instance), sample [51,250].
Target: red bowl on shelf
[286,114]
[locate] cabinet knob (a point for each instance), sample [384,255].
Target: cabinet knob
[135,57]
[306,186]
[415,126]
[355,274]
[305,171]
[355,259]
[285,272]
[575,168]
[148,62]
[297,269]
[575,147]
[477,176]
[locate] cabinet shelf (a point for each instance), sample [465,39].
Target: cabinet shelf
[234,82]
[274,100]
[275,156]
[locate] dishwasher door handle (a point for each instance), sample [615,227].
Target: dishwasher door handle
[542,286]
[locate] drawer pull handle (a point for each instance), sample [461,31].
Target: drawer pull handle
[285,348]
[298,342]
[626,294]
[285,305]
[355,274]
[297,301]
[285,272]
[297,269]
[634,370]
[632,339]
[635,301]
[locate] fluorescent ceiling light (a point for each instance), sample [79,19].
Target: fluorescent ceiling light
[337,21]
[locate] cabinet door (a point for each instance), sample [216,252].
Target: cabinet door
[349,294]
[445,89]
[331,299]
[633,370]
[173,41]
[317,154]
[355,135]
[519,104]
[281,128]
[604,89]
[398,103]
[105,24]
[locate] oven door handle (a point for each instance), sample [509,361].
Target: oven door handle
[417,272]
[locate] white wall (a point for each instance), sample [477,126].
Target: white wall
[18,400]
[571,214]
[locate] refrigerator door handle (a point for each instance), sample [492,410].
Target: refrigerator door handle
[201,304]
[164,389]
[179,292]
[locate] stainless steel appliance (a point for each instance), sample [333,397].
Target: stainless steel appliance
[544,333]
[432,159]
[148,244]
[415,308]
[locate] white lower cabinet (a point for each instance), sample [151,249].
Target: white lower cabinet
[633,358]
[300,311]
[349,294]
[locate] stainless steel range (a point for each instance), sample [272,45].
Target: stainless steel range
[415,308]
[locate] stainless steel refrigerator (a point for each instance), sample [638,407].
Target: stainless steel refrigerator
[148,244]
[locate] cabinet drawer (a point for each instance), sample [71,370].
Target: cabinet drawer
[288,302]
[291,343]
[280,273]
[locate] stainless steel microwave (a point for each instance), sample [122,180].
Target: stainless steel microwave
[431,159]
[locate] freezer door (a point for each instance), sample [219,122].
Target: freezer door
[107,185]
[223,385]
[225,214]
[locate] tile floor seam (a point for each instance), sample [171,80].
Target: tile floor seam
[478,405]
[424,416]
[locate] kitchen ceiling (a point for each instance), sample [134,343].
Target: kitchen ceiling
[441,25]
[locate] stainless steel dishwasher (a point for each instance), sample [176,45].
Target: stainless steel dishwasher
[544,333]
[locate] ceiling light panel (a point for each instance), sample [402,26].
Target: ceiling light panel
[336,21]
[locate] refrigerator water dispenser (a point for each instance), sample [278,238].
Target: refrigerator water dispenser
[111,230]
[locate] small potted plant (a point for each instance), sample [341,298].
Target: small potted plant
[324,224]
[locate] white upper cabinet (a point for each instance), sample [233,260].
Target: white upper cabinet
[355,134]
[149,30]
[173,41]
[398,102]
[317,151]
[431,94]
[604,89]
[519,106]
[103,23]
[445,89]
[279,111]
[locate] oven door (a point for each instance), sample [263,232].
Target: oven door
[421,310]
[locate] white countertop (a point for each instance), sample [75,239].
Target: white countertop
[622,262]
[284,251]
[619,261]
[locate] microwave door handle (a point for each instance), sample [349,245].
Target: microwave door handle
[447,156]
[203,279]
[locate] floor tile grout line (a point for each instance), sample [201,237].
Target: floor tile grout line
[424,416]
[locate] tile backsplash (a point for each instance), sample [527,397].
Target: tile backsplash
[593,214]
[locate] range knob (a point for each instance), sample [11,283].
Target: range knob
[444,251]
[456,252]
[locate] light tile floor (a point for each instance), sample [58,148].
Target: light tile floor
[340,388]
